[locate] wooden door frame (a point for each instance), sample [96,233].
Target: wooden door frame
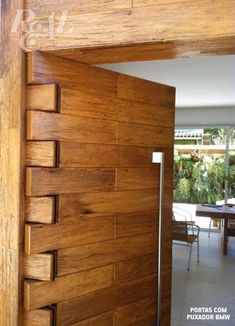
[12,123]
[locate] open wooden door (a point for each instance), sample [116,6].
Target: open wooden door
[91,224]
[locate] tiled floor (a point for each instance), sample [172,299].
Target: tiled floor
[210,284]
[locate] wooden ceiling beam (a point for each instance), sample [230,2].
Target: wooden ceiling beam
[122,30]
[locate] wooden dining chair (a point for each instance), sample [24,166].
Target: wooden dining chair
[186,234]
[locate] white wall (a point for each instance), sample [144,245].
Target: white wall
[202,82]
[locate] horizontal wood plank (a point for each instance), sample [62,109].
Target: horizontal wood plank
[82,7]
[119,109]
[94,204]
[145,91]
[43,181]
[42,238]
[44,69]
[42,97]
[39,267]
[39,294]
[183,48]
[40,209]
[55,126]
[105,319]
[78,309]
[132,313]
[81,258]
[135,268]
[39,317]
[41,153]
[150,3]
[137,178]
[157,24]
[143,135]
[100,155]
[138,222]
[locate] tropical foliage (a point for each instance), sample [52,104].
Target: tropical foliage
[201,178]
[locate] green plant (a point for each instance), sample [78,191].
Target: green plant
[199,181]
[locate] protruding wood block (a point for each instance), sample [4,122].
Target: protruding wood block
[101,155]
[72,206]
[61,127]
[40,267]
[39,317]
[42,97]
[40,209]
[78,309]
[41,153]
[43,238]
[43,181]
[128,270]
[105,319]
[39,294]
[143,135]
[125,110]
[137,178]
[89,256]
[134,313]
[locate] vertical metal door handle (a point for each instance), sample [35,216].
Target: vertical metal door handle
[158,158]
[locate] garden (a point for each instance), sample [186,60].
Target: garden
[200,178]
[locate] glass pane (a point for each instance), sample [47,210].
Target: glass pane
[199,172]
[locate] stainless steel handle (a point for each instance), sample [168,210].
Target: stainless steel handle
[158,158]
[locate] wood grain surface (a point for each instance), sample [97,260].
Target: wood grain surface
[39,294]
[104,193]
[40,209]
[39,267]
[40,153]
[44,237]
[42,97]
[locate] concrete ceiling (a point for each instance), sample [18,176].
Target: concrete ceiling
[200,82]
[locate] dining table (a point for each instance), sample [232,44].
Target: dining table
[223,212]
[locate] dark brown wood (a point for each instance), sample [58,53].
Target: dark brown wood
[89,256]
[125,107]
[137,178]
[105,190]
[134,313]
[135,268]
[128,224]
[105,319]
[95,204]
[101,155]
[39,294]
[71,311]
[44,68]
[43,182]
[43,237]
[146,91]
[137,134]
[54,126]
